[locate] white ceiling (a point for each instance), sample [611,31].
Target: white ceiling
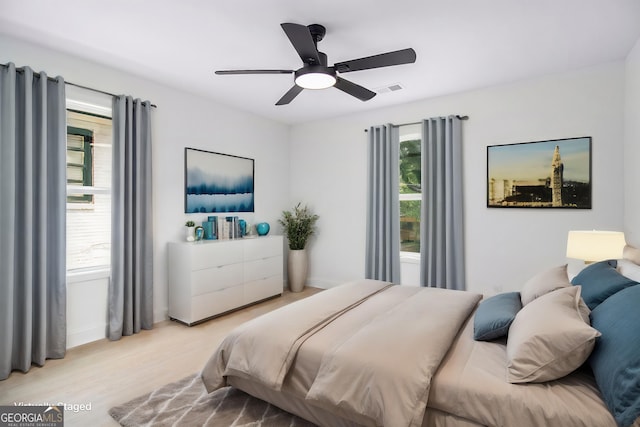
[460,44]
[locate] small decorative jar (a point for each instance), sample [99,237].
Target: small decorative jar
[263,228]
[191,231]
[199,233]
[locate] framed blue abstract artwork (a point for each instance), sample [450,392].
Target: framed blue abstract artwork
[216,182]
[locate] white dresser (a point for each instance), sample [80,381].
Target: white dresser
[212,277]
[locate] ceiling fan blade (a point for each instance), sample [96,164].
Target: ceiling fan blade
[398,57]
[288,97]
[363,94]
[302,41]
[232,72]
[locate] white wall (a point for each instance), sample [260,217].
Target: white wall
[87,296]
[504,247]
[632,147]
[323,164]
[181,120]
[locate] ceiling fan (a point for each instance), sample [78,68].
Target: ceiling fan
[316,74]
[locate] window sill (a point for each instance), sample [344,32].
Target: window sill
[81,207]
[410,257]
[84,275]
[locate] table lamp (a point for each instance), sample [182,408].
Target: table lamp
[592,246]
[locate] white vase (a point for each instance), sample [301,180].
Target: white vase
[297,267]
[191,234]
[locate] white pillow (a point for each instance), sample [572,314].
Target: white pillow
[543,283]
[550,337]
[629,269]
[632,254]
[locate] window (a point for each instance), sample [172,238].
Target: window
[410,188]
[79,162]
[88,190]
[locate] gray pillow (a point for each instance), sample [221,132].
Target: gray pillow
[544,282]
[549,338]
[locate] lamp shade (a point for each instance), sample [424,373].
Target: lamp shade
[594,245]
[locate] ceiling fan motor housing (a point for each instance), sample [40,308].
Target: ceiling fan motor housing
[317,32]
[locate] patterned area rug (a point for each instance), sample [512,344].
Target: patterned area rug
[186,403]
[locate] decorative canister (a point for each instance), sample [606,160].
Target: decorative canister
[199,233]
[263,228]
[191,233]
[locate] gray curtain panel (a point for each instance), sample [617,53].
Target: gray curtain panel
[441,228]
[383,208]
[131,281]
[32,219]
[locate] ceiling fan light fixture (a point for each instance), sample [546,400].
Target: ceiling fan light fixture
[315,77]
[316,74]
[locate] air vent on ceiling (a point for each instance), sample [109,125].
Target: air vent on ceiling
[389,88]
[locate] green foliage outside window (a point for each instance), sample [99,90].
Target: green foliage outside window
[410,183]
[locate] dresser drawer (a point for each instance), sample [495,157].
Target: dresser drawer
[261,289]
[262,268]
[214,279]
[207,305]
[262,247]
[213,254]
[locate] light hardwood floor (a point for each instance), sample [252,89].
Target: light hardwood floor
[104,374]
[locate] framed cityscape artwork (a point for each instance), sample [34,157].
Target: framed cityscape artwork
[541,174]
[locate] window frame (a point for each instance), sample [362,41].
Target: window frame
[87,165]
[78,193]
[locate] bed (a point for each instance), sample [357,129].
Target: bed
[376,354]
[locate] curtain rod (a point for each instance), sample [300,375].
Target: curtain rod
[21,70]
[417,123]
[99,91]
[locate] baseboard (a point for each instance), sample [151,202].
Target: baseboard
[79,337]
[98,332]
[160,315]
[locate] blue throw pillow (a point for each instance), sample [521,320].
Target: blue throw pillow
[599,281]
[615,360]
[494,316]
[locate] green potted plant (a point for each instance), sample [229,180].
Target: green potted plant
[298,225]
